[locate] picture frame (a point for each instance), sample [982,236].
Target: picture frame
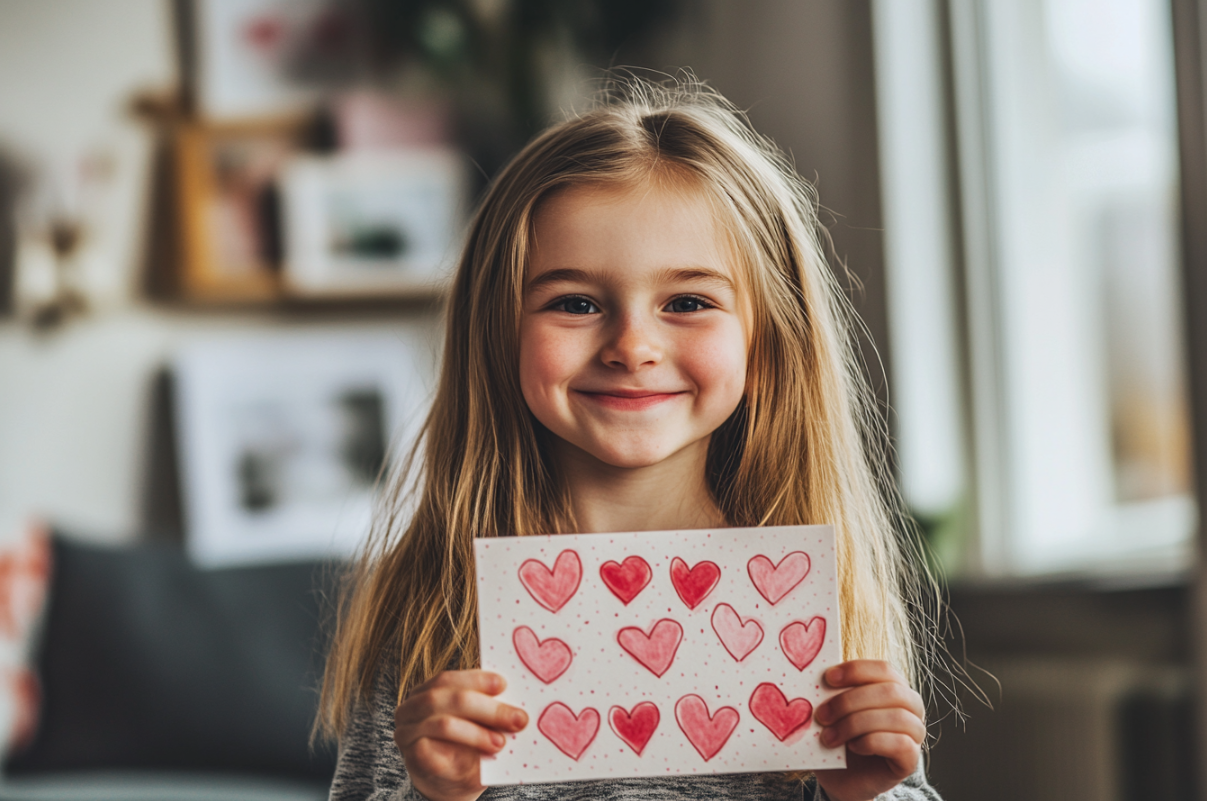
[251,59]
[372,223]
[227,208]
[283,436]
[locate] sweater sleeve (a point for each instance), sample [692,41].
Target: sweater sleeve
[914,788]
[369,767]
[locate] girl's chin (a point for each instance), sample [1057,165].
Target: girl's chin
[632,458]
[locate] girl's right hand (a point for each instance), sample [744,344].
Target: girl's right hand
[445,725]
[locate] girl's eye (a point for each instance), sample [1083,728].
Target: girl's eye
[687,303]
[576,305]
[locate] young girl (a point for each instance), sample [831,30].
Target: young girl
[643,334]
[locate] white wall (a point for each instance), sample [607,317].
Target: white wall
[74,404]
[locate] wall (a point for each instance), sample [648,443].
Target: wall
[74,403]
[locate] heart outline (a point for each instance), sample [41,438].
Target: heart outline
[802,642]
[733,632]
[546,659]
[695,583]
[637,727]
[553,588]
[707,733]
[626,579]
[782,717]
[568,731]
[654,651]
[775,581]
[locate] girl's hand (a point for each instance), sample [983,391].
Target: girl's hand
[880,721]
[445,725]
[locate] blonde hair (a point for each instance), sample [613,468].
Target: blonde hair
[794,452]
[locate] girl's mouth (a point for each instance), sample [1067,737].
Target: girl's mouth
[628,400]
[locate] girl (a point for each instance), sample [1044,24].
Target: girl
[643,334]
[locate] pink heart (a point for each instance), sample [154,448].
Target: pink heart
[547,659]
[569,732]
[776,581]
[707,735]
[628,579]
[655,650]
[694,584]
[801,642]
[772,708]
[636,727]
[552,588]
[738,638]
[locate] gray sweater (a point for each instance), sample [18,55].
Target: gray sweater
[371,769]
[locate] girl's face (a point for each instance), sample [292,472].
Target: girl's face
[634,335]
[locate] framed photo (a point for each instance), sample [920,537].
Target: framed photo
[283,437]
[228,211]
[372,223]
[252,59]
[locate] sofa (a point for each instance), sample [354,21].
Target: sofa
[161,681]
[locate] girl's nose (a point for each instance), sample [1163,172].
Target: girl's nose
[632,344]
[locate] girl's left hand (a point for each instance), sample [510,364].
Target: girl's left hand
[880,721]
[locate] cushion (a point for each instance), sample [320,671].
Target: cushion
[24,574]
[149,663]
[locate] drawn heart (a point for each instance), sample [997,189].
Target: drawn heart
[694,584]
[771,707]
[775,581]
[547,659]
[552,588]
[628,579]
[707,735]
[655,650]
[636,727]
[738,638]
[800,642]
[569,732]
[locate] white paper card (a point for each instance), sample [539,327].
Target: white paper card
[660,653]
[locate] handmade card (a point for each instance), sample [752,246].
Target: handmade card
[661,653]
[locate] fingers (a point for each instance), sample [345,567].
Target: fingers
[871,696]
[458,707]
[455,730]
[899,751]
[483,681]
[863,671]
[874,721]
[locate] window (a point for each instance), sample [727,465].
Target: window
[1069,362]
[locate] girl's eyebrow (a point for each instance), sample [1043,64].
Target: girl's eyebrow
[669,275]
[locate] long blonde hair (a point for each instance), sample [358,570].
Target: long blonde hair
[794,452]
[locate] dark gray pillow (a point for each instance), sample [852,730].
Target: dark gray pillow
[148,662]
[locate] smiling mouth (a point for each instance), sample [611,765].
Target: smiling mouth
[628,400]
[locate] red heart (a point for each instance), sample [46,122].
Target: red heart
[636,727]
[738,638]
[628,579]
[707,735]
[694,584]
[771,707]
[801,642]
[547,659]
[552,588]
[569,732]
[655,650]
[776,581]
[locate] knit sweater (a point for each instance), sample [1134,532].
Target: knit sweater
[370,768]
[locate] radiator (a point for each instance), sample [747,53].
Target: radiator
[1071,731]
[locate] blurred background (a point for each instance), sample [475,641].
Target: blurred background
[225,230]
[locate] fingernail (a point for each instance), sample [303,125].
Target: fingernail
[828,736]
[519,719]
[496,739]
[834,675]
[822,714]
